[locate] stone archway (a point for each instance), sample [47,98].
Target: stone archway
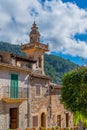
[43,119]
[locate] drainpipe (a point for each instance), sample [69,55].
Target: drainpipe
[28,102]
[50,106]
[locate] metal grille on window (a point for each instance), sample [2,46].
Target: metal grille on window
[38,92]
[35,121]
[59,120]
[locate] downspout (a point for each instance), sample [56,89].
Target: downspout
[29,102]
[50,106]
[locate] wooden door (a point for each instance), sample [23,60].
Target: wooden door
[43,120]
[14,118]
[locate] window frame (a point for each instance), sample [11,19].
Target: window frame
[59,120]
[40,89]
[35,124]
[14,85]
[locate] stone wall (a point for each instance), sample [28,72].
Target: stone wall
[46,103]
[39,104]
[5,107]
[58,109]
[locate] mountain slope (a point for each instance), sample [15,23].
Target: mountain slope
[55,66]
[8,47]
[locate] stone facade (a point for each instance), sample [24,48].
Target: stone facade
[6,106]
[37,102]
[59,114]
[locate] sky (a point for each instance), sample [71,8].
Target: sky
[62,24]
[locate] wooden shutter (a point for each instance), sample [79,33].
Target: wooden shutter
[35,121]
[14,86]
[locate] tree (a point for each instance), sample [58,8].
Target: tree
[74,94]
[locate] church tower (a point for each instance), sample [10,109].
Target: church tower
[35,50]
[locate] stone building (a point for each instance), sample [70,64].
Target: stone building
[27,98]
[60,116]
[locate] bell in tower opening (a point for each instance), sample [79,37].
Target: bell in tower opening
[34,34]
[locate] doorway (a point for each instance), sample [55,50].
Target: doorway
[13,118]
[43,120]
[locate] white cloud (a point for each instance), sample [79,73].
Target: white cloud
[58,23]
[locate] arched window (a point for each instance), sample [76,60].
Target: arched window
[40,62]
[43,120]
[1,58]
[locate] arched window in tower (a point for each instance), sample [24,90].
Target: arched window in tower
[1,58]
[40,62]
[31,39]
[38,39]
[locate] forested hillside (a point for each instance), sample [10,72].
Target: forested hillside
[55,66]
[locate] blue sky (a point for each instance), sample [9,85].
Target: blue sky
[80,3]
[62,24]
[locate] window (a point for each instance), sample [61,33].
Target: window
[40,60]
[59,95]
[38,90]
[14,86]
[59,120]
[1,57]
[46,91]
[13,62]
[35,121]
[67,119]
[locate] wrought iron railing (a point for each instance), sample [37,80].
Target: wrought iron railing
[7,93]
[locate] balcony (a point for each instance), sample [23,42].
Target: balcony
[35,45]
[10,97]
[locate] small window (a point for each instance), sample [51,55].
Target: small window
[59,120]
[13,62]
[35,121]
[59,95]
[0,58]
[29,65]
[67,119]
[40,60]
[46,91]
[38,90]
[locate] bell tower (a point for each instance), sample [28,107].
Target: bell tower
[34,34]
[35,50]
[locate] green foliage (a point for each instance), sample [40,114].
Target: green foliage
[78,116]
[7,47]
[55,66]
[74,93]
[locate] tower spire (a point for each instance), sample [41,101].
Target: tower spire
[34,19]
[34,34]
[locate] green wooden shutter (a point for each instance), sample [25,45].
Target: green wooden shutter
[14,86]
